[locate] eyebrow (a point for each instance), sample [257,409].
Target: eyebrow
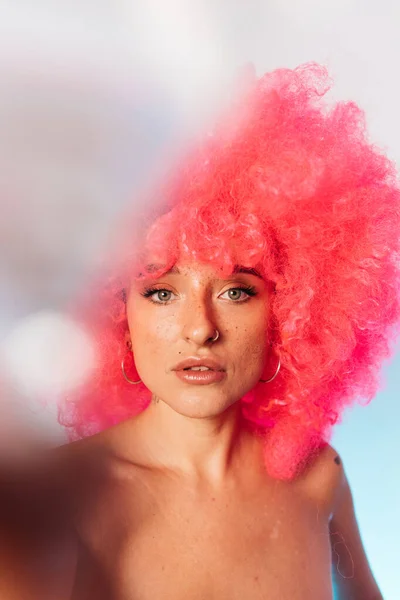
[237,269]
[248,270]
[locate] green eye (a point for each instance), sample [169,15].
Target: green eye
[163,295]
[159,296]
[240,294]
[235,294]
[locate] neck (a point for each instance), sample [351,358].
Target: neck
[201,449]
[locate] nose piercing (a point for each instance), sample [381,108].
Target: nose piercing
[216,336]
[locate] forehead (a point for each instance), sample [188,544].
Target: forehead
[208,270]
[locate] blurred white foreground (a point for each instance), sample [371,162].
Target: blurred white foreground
[96,102]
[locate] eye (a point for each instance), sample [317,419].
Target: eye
[240,294]
[159,296]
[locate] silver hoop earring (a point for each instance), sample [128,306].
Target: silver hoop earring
[214,339]
[276,373]
[125,375]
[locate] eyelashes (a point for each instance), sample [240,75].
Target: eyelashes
[152,291]
[250,290]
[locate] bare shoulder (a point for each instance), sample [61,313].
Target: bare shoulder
[323,477]
[84,452]
[87,465]
[123,443]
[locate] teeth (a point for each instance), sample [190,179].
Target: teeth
[199,369]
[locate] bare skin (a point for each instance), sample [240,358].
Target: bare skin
[176,503]
[145,533]
[249,537]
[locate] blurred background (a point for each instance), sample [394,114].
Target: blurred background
[96,100]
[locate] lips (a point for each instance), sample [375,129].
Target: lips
[197,371]
[197,362]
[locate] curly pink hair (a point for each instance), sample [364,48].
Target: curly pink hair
[295,188]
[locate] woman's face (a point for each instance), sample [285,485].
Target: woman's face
[174,318]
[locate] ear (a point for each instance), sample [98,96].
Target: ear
[127,338]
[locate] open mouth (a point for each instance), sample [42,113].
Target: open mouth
[202,364]
[193,374]
[198,369]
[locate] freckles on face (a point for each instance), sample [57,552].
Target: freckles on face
[175,317]
[251,344]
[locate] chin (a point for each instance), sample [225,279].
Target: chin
[200,405]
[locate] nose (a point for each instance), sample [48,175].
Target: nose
[199,325]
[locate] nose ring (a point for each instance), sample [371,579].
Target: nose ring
[216,336]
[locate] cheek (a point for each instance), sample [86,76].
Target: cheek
[159,330]
[249,332]
[152,334]
[251,344]
[254,352]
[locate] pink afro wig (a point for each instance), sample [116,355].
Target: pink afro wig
[294,188]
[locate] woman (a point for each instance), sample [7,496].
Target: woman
[244,317]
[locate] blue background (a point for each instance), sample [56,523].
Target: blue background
[368,441]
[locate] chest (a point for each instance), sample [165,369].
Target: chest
[273,545]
